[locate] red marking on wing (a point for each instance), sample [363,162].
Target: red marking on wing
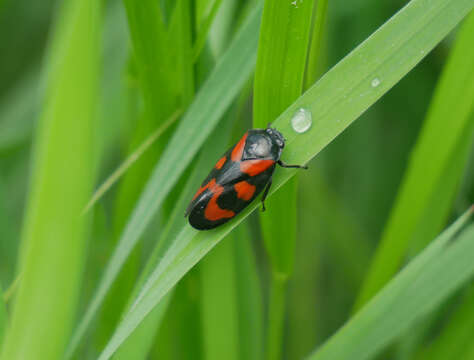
[210,185]
[255,167]
[244,190]
[220,163]
[238,149]
[213,211]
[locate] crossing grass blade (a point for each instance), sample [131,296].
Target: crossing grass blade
[203,115]
[441,269]
[130,160]
[428,179]
[335,101]
[54,233]
[141,341]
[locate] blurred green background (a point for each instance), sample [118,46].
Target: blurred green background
[344,200]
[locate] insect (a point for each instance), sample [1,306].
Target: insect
[237,178]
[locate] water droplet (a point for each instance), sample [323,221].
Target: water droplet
[375,82]
[301,121]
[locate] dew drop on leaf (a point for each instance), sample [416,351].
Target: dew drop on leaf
[301,121]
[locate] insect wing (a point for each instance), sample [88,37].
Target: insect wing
[220,202]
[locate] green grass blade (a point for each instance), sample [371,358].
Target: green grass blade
[456,337]
[335,101]
[3,316]
[141,340]
[204,29]
[18,111]
[283,46]
[139,344]
[159,61]
[210,103]
[219,308]
[180,35]
[447,121]
[249,296]
[149,40]
[279,75]
[130,160]
[312,66]
[54,232]
[429,279]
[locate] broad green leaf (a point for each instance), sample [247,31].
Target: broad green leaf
[418,210]
[335,101]
[441,269]
[203,115]
[54,233]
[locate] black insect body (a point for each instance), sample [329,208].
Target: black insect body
[237,178]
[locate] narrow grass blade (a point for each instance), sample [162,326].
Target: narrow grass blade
[141,340]
[456,337]
[283,46]
[249,296]
[210,103]
[130,160]
[219,308]
[204,29]
[313,64]
[152,56]
[54,232]
[3,316]
[279,76]
[448,119]
[335,101]
[139,344]
[159,65]
[18,111]
[180,34]
[429,279]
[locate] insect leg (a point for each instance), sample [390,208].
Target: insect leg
[282,164]
[265,193]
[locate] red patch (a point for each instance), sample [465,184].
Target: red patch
[238,149]
[210,185]
[244,190]
[255,167]
[213,211]
[220,163]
